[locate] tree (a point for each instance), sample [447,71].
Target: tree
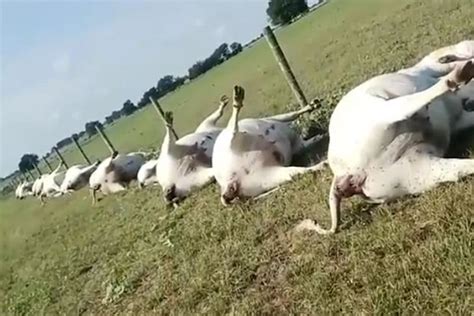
[27,162]
[108,119]
[63,142]
[196,69]
[219,55]
[90,128]
[283,11]
[168,84]
[235,48]
[165,85]
[128,108]
[145,99]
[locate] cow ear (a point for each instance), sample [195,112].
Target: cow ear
[111,166]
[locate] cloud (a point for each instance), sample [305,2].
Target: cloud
[199,22]
[220,31]
[62,64]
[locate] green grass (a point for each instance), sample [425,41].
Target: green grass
[131,255]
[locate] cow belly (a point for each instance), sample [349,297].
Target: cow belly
[204,141]
[275,135]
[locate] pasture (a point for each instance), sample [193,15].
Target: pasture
[132,255]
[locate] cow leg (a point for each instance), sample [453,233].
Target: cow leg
[210,122]
[302,145]
[170,139]
[57,168]
[404,107]
[291,116]
[169,146]
[237,104]
[272,177]
[415,173]
[202,178]
[466,121]
[42,199]
[434,171]
[115,187]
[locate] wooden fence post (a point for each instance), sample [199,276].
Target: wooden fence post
[80,150]
[161,114]
[47,164]
[106,140]
[31,175]
[284,66]
[37,169]
[55,149]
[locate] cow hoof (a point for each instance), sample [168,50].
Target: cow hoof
[224,101]
[239,95]
[315,104]
[169,118]
[463,73]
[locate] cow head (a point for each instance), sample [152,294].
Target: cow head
[181,173]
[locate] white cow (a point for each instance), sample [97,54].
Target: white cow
[77,177]
[17,190]
[252,156]
[388,136]
[184,164]
[115,173]
[38,185]
[24,189]
[50,183]
[147,173]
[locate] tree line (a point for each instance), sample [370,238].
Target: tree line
[170,83]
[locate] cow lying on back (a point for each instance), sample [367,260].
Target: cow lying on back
[252,156]
[50,186]
[115,173]
[24,189]
[147,173]
[77,177]
[59,182]
[388,135]
[184,164]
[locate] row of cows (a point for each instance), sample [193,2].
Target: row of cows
[388,137]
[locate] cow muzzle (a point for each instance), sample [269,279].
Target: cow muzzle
[230,194]
[170,195]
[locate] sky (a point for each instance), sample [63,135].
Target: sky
[64,63]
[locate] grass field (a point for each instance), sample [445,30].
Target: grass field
[131,255]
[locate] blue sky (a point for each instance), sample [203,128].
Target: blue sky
[64,63]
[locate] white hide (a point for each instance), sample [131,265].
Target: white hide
[389,134]
[38,185]
[24,189]
[252,156]
[184,164]
[51,183]
[147,173]
[77,177]
[113,174]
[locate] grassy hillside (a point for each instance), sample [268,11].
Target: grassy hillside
[132,255]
